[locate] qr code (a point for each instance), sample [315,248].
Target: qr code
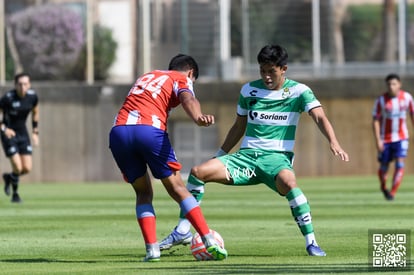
[390,249]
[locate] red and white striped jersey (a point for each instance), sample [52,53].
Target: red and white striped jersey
[152,97]
[392,113]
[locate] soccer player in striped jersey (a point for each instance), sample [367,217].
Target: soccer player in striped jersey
[391,133]
[268,112]
[139,139]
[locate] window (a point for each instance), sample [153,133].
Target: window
[192,144]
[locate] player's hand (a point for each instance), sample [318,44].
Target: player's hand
[205,120]
[338,151]
[9,133]
[35,139]
[380,146]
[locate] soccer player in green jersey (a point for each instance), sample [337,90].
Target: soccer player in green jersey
[267,115]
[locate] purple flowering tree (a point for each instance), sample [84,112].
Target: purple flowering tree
[45,41]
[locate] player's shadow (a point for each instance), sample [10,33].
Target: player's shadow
[44,260]
[270,269]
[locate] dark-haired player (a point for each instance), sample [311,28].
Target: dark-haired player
[391,132]
[139,139]
[268,112]
[15,106]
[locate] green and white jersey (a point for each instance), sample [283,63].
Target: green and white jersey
[272,115]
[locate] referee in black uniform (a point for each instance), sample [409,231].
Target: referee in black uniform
[15,107]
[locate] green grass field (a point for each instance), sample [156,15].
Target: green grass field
[91,228]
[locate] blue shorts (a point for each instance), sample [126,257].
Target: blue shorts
[136,146]
[394,150]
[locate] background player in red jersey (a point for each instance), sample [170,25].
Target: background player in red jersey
[15,107]
[390,131]
[139,138]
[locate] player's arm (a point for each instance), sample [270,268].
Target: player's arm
[35,125]
[411,112]
[2,124]
[235,133]
[376,130]
[35,120]
[192,107]
[376,126]
[8,132]
[412,118]
[318,115]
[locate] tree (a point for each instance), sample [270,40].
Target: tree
[389,35]
[45,40]
[337,12]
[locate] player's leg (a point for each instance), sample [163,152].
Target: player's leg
[382,175]
[192,211]
[123,144]
[181,234]
[211,170]
[146,217]
[286,185]
[398,176]
[161,159]
[14,176]
[401,150]
[10,149]
[27,163]
[19,151]
[384,159]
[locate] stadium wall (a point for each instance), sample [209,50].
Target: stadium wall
[75,120]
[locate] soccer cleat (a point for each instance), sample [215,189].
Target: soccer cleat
[314,250]
[6,178]
[16,198]
[387,195]
[153,253]
[175,238]
[151,258]
[217,252]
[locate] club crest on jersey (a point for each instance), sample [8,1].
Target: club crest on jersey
[16,104]
[286,93]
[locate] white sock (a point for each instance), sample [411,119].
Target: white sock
[183,226]
[310,238]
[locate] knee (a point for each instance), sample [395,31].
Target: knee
[285,182]
[399,164]
[196,172]
[284,187]
[384,166]
[19,171]
[24,171]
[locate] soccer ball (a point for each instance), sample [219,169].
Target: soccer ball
[198,249]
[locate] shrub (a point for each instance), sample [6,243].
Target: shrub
[9,64]
[104,49]
[362,32]
[48,40]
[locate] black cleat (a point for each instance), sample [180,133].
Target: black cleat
[16,198]
[6,179]
[388,195]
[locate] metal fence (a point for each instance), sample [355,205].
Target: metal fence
[324,38]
